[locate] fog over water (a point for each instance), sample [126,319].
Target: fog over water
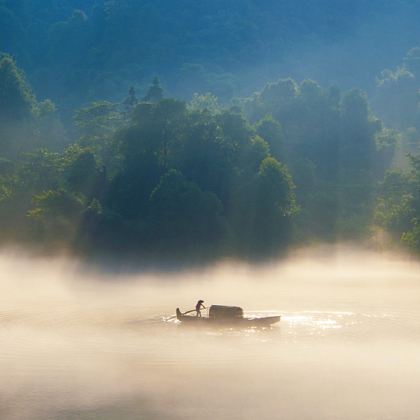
[83,344]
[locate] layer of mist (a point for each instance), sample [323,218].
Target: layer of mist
[80,344]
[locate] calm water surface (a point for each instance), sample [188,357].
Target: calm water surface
[86,345]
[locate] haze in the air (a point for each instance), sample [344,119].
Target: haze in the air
[253,153]
[79,344]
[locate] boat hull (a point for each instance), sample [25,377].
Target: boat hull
[235,322]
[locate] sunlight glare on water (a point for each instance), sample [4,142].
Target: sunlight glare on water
[80,344]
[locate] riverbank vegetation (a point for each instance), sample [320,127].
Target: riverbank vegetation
[136,171]
[157,176]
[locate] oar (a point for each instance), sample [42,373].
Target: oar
[184,313]
[188,312]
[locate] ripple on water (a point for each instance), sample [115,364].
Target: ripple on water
[304,325]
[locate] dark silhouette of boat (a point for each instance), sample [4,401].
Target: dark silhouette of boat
[226,316]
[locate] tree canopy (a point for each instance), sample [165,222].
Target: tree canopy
[132,170]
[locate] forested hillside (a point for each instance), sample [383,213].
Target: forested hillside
[75,51]
[99,155]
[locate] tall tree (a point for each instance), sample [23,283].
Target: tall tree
[155,92]
[16,99]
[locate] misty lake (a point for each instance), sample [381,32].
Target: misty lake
[83,344]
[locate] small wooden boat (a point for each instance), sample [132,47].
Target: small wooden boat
[226,316]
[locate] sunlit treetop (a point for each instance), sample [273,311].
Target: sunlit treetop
[16,99]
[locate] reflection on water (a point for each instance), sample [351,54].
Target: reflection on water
[80,345]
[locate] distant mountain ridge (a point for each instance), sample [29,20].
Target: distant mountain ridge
[206,45]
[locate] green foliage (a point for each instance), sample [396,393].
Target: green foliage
[131,100]
[398,205]
[25,124]
[21,180]
[98,120]
[397,95]
[151,176]
[271,130]
[155,92]
[412,237]
[387,142]
[204,103]
[180,174]
[161,177]
[184,215]
[275,188]
[335,149]
[56,215]
[16,99]
[39,170]
[412,61]
[78,51]
[393,209]
[81,174]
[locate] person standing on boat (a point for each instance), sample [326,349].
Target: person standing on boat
[199,306]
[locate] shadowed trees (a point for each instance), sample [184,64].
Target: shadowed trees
[16,99]
[180,176]
[170,181]
[159,177]
[398,205]
[78,51]
[154,93]
[329,142]
[25,124]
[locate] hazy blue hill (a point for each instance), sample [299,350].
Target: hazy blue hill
[78,50]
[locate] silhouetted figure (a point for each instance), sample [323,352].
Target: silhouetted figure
[199,306]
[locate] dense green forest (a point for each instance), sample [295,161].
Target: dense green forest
[116,161]
[76,51]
